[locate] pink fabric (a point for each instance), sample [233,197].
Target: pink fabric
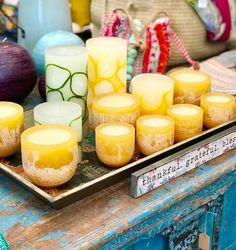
[223,6]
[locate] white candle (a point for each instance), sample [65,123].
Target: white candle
[67,113]
[66,77]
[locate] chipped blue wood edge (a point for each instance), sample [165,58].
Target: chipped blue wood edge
[159,210]
[3,243]
[151,227]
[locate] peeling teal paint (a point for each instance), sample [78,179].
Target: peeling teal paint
[25,218]
[54,235]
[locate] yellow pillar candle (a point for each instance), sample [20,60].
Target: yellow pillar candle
[218,108]
[154,133]
[49,154]
[115,143]
[115,108]
[11,127]
[190,85]
[155,92]
[106,66]
[188,120]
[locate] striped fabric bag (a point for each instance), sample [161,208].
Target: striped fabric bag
[149,44]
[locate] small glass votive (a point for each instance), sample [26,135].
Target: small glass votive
[218,108]
[66,113]
[11,127]
[115,107]
[154,133]
[190,85]
[115,143]
[49,154]
[155,92]
[188,120]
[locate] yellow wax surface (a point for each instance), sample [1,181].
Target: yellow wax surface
[116,101]
[115,143]
[184,111]
[190,77]
[49,136]
[155,92]
[218,98]
[7,111]
[155,122]
[115,130]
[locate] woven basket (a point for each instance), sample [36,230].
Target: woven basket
[183,19]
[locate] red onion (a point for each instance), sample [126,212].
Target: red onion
[42,87]
[17,72]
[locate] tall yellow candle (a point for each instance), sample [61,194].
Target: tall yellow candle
[188,120]
[115,108]
[49,154]
[218,108]
[11,127]
[190,85]
[115,143]
[106,66]
[154,133]
[155,92]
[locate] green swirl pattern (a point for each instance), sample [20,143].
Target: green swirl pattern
[62,85]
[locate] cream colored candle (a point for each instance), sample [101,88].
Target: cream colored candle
[115,108]
[11,127]
[154,133]
[190,85]
[115,143]
[66,77]
[49,154]
[218,108]
[155,92]
[106,65]
[67,113]
[188,120]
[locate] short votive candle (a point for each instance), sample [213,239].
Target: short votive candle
[190,85]
[49,154]
[154,133]
[66,113]
[66,77]
[188,120]
[218,108]
[155,92]
[115,107]
[115,143]
[107,59]
[11,127]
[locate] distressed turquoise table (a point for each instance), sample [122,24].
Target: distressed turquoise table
[170,217]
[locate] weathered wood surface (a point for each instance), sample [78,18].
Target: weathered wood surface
[108,215]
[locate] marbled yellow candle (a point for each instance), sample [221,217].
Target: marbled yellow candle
[106,66]
[115,107]
[11,127]
[218,108]
[154,133]
[49,154]
[115,143]
[190,85]
[188,120]
[155,92]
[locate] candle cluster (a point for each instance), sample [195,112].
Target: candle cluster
[89,84]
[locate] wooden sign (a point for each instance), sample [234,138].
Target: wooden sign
[159,173]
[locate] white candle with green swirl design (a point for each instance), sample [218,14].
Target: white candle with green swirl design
[62,112]
[66,77]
